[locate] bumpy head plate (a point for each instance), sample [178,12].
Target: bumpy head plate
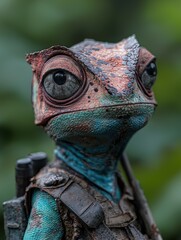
[93,90]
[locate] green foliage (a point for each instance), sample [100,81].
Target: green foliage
[27,26]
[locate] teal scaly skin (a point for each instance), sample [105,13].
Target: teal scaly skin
[90,99]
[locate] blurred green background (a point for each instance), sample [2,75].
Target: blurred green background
[155,151]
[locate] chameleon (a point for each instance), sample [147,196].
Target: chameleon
[90,99]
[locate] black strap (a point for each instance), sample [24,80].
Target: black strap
[102,232]
[83,205]
[89,211]
[133,231]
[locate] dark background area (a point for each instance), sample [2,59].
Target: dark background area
[155,152]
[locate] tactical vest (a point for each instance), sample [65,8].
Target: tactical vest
[85,212]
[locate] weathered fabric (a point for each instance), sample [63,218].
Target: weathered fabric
[120,218]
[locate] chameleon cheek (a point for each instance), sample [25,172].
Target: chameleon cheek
[68,127]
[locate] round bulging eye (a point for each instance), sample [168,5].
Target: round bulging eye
[60,84]
[148,77]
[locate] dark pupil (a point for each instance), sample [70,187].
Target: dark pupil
[59,77]
[151,69]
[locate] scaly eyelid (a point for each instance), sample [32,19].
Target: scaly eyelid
[61,62]
[53,70]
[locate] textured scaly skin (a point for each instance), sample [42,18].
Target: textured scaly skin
[92,128]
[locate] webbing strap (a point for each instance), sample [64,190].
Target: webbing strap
[133,231]
[85,207]
[102,232]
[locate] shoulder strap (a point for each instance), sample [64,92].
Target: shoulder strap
[80,202]
[87,209]
[77,200]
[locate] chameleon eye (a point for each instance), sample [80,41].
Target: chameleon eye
[60,84]
[63,81]
[148,77]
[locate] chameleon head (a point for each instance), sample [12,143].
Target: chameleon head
[93,92]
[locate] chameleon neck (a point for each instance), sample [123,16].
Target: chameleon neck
[98,165]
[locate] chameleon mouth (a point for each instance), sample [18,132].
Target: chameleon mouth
[126,109]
